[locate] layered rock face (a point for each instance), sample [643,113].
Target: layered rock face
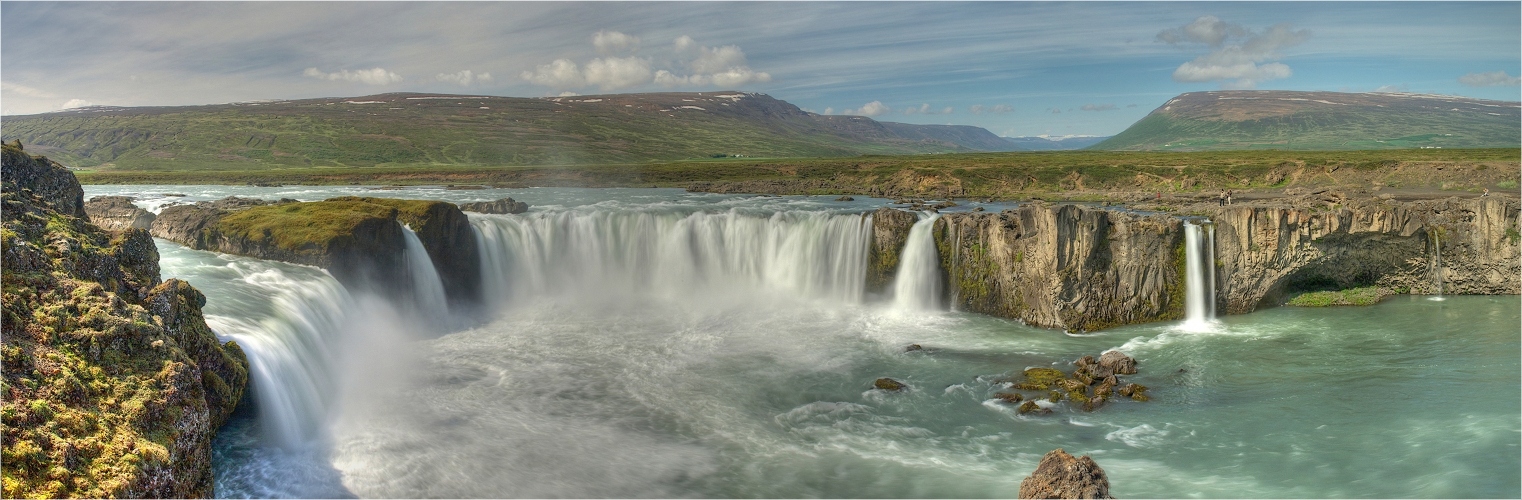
[46,178]
[114,384]
[1063,266]
[117,213]
[360,240]
[1266,252]
[890,230]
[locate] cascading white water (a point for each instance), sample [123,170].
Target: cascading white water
[917,285]
[428,288]
[288,320]
[1199,270]
[1437,264]
[672,255]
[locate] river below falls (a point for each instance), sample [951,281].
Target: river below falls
[750,384]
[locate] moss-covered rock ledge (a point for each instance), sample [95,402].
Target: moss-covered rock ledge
[113,384]
[358,239]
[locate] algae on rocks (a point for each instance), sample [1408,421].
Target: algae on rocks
[114,385]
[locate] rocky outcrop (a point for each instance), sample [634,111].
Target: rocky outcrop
[358,239]
[1060,475]
[1064,266]
[890,230]
[500,206]
[117,213]
[49,180]
[114,384]
[1270,250]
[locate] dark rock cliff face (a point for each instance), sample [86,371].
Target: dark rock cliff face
[1064,266]
[890,230]
[114,385]
[117,213]
[1266,252]
[359,240]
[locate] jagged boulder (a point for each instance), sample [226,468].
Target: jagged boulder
[500,206]
[1060,475]
[117,213]
[1117,362]
[114,384]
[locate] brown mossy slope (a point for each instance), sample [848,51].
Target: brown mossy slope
[113,383]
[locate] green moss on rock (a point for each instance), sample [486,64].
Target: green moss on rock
[1363,296]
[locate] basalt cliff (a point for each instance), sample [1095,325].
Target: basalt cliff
[1078,267]
[113,383]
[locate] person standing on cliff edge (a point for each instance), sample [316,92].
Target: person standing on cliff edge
[1220,199]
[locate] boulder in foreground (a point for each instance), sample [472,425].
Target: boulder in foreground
[1060,475]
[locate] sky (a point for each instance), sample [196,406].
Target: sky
[1014,68]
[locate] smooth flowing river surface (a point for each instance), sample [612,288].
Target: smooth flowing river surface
[728,353]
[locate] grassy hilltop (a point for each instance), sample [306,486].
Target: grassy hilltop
[1270,119]
[429,130]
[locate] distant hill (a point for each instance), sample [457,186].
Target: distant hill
[967,136]
[436,129]
[1052,144]
[1251,119]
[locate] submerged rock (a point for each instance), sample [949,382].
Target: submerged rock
[913,347]
[845,198]
[1060,475]
[888,384]
[501,206]
[1040,379]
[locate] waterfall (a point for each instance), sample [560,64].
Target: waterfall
[917,286]
[1199,270]
[290,340]
[584,255]
[428,289]
[1437,263]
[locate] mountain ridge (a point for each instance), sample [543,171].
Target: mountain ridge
[1297,120]
[444,129]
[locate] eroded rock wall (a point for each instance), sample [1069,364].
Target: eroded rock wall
[1267,252]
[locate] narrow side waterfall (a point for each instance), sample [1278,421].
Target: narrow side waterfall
[427,287]
[1437,263]
[698,256]
[917,286]
[1199,270]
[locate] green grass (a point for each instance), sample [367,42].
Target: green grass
[970,175]
[1363,296]
[309,227]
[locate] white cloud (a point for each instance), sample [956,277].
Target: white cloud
[373,76]
[76,103]
[464,77]
[979,109]
[568,94]
[1055,111]
[873,108]
[924,109]
[1097,107]
[1241,65]
[706,66]
[1390,88]
[829,111]
[560,74]
[8,87]
[1209,30]
[613,42]
[616,73]
[1491,79]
